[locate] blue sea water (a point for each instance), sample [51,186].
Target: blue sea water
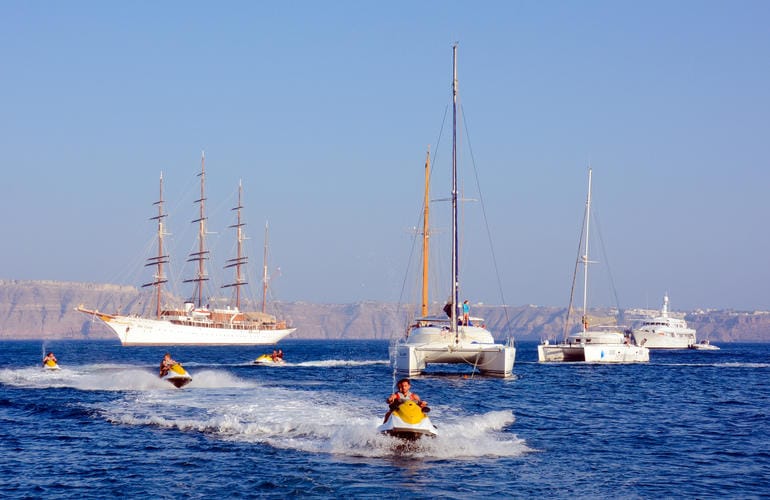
[688,424]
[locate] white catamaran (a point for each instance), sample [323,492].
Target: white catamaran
[441,339]
[599,344]
[195,323]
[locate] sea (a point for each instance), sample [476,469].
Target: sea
[688,424]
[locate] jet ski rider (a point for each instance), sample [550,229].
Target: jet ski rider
[49,357]
[402,395]
[166,364]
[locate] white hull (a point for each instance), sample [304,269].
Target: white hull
[474,347]
[594,347]
[665,339]
[704,345]
[134,330]
[597,353]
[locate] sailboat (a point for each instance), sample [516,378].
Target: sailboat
[441,338]
[593,343]
[195,323]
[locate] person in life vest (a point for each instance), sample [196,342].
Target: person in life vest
[165,364]
[402,395]
[49,357]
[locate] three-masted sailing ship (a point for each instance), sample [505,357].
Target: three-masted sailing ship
[195,323]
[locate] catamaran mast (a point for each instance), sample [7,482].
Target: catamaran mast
[240,259]
[202,254]
[455,246]
[585,255]
[159,259]
[425,234]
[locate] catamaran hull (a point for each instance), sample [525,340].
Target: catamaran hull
[596,353]
[494,360]
[133,331]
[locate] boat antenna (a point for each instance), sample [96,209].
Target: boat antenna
[202,254]
[455,247]
[240,259]
[159,278]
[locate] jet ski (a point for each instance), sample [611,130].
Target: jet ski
[408,421]
[267,359]
[178,376]
[51,365]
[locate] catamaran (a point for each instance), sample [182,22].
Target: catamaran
[442,339]
[593,343]
[195,323]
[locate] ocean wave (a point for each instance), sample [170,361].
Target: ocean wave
[112,377]
[315,422]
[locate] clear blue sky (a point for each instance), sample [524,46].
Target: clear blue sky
[325,109]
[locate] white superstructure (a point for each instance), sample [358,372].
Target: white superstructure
[664,331]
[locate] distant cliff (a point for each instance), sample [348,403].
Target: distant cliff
[45,309]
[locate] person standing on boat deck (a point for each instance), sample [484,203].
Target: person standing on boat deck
[403,394]
[466,313]
[49,357]
[165,364]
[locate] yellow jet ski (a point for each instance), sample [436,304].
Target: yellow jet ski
[267,359]
[51,365]
[408,421]
[178,376]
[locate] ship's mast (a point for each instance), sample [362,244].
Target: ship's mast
[240,259]
[159,259]
[455,245]
[202,254]
[425,235]
[264,271]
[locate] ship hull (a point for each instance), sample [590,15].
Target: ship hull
[669,339]
[132,331]
[471,346]
[597,353]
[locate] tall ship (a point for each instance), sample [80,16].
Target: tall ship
[665,331]
[194,323]
[450,337]
[591,343]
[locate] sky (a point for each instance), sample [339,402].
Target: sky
[325,110]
